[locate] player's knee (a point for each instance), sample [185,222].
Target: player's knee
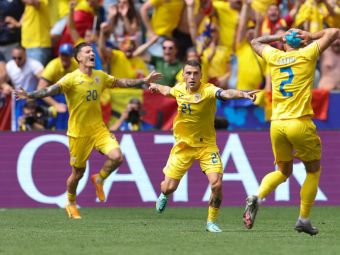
[116,157]
[286,168]
[312,166]
[79,173]
[216,186]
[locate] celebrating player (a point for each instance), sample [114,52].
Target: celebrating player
[292,128]
[195,136]
[86,129]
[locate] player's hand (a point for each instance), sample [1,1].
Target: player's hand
[153,88]
[20,94]
[60,107]
[251,94]
[306,37]
[153,77]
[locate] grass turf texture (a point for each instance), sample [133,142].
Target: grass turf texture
[176,231]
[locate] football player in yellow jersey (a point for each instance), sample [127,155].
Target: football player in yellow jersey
[195,135]
[86,129]
[292,128]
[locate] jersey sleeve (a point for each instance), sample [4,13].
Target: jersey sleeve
[65,83]
[174,91]
[268,53]
[109,81]
[311,51]
[211,91]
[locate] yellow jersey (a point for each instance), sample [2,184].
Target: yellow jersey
[120,66]
[36,25]
[166,16]
[82,94]
[292,80]
[54,70]
[227,23]
[194,123]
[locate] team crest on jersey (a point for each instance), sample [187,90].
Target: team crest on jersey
[96,79]
[197,97]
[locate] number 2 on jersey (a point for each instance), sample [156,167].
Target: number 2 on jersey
[286,82]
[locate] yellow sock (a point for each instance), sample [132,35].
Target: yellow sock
[103,174]
[270,182]
[213,213]
[308,193]
[71,198]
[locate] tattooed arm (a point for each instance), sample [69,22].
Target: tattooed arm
[129,83]
[49,91]
[259,43]
[235,94]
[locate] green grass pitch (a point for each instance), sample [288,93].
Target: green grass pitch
[176,231]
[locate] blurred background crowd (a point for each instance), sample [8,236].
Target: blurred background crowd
[132,38]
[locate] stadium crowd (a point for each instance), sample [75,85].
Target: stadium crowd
[132,38]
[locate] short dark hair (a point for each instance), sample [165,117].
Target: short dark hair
[170,39]
[193,63]
[78,48]
[20,47]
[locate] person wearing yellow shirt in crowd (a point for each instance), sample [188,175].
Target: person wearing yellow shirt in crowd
[227,13]
[53,72]
[195,136]
[86,129]
[313,14]
[35,30]
[165,19]
[292,131]
[248,78]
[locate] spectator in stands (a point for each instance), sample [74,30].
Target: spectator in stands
[35,31]
[313,14]
[5,89]
[35,117]
[216,59]
[124,20]
[23,72]
[169,65]
[248,78]
[273,19]
[165,18]
[330,67]
[227,13]
[10,15]
[5,96]
[132,118]
[125,61]
[54,71]
[90,35]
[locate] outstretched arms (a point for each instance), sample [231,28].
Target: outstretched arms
[161,89]
[49,91]
[128,83]
[236,94]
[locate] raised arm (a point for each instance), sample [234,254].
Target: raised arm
[41,93]
[145,17]
[161,89]
[259,43]
[70,22]
[324,37]
[237,94]
[243,20]
[129,83]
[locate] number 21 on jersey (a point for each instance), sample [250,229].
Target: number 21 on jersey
[286,82]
